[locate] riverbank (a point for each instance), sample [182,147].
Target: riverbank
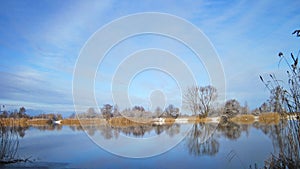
[264,118]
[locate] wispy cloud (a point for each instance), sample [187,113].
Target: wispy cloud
[31,89]
[40,42]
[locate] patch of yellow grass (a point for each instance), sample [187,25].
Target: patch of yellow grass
[38,122]
[243,119]
[269,118]
[124,122]
[197,119]
[14,122]
[169,120]
[70,122]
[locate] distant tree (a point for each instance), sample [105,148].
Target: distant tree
[191,99]
[91,113]
[127,112]
[139,111]
[59,117]
[116,111]
[207,95]
[4,114]
[2,107]
[106,111]
[265,107]
[13,114]
[19,114]
[232,108]
[158,111]
[51,116]
[200,99]
[245,108]
[255,112]
[22,113]
[138,108]
[22,110]
[72,116]
[172,111]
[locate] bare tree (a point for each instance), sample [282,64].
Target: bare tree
[90,113]
[199,99]
[191,99]
[207,95]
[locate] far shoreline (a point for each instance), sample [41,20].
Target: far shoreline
[269,118]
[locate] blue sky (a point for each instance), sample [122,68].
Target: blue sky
[41,40]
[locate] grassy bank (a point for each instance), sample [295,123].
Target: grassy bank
[270,118]
[243,119]
[124,122]
[264,118]
[14,122]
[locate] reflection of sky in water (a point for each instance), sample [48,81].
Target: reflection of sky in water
[141,147]
[75,148]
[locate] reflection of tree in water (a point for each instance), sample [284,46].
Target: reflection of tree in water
[285,137]
[200,140]
[21,130]
[173,130]
[9,137]
[51,127]
[76,127]
[231,130]
[91,130]
[109,131]
[158,129]
[265,128]
[106,131]
[137,131]
[9,144]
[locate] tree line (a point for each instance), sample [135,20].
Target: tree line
[200,101]
[108,111]
[21,113]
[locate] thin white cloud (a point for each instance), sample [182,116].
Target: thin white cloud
[246,34]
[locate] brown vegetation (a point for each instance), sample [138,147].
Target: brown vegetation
[269,118]
[122,121]
[197,119]
[38,122]
[169,120]
[243,119]
[264,118]
[14,122]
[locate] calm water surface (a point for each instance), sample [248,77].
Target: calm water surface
[230,146]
